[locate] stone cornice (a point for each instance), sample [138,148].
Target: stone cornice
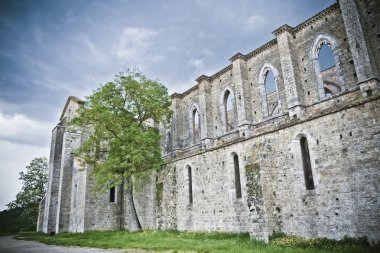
[181,95]
[175,95]
[261,49]
[282,29]
[237,56]
[203,78]
[317,16]
[221,72]
[254,52]
[307,22]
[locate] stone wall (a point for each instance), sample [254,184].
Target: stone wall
[71,141]
[345,171]
[78,197]
[145,200]
[100,213]
[51,199]
[166,198]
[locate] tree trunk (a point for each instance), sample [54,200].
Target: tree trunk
[135,222]
[121,217]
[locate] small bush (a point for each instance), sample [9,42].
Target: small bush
[276,235]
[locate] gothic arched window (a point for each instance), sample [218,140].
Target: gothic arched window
[309,181]
[228,104]
[268,78]
[325,54]
[328,70]
[168,142]
[190,184]
[195,126]
[237,176]
[270,82]
[326,57]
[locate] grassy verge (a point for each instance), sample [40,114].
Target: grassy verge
[174,241]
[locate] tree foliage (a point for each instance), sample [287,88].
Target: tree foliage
[33,190]
[118,120]
[12,220]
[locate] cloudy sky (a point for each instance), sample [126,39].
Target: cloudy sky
[51,49]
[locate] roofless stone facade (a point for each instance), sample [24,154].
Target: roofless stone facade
[275,141]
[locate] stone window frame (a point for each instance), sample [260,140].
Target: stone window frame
[306,163]
[223,108]
[189,184]
[298,159]
[112,194]
[261,80]
[194,107]
[237,175]
[74,194]
[331,42]
[168,142]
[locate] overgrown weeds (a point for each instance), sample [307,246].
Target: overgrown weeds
[345,245]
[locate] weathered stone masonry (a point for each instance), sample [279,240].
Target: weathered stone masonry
[301,159]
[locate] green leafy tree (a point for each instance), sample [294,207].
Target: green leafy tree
[122,143]
[33,190]
[11,220]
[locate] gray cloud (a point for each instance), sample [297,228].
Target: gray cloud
[19,128]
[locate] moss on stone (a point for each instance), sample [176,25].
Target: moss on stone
[254,189]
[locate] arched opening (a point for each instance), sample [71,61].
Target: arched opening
[271,92]
[237,176]
[268,80]
[326,57]
[190,184]
[195,126]
[270,83]
[308,173]
[168,142]
[328,70]
[228,103]
[329,76]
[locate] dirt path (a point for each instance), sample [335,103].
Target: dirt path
[10,245]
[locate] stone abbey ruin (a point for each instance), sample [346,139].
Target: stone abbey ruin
[273,142]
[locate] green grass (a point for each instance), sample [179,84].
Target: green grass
[174,241]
